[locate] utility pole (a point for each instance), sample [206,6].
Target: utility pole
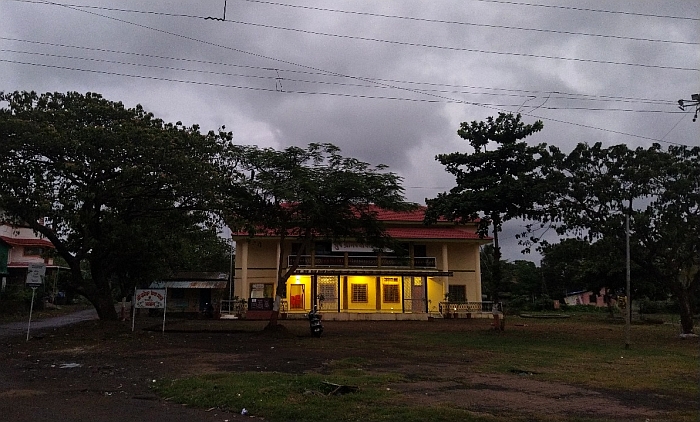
[628,302]
[693,102]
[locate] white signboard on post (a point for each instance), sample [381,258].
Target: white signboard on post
[149,299]
[36,271]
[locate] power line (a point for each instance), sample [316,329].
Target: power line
[339,74]
[277,78]
[468,50]
[403,43]
[379,15]
[522,92]
[451,22]
[581,9]
[361,96]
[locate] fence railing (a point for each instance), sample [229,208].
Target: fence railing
[233,307]
[363,261]
[465,307]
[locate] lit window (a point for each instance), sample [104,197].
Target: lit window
[328,288]
[359,293]
[391,293]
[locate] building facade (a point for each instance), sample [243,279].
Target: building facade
[350,281]
[20,246]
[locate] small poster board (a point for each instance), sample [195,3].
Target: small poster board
[36,271]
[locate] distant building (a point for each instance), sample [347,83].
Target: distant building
[586,297]
[20,246]
[352,281]
[194,292]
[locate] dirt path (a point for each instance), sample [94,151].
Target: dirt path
[96,372]
[17,328]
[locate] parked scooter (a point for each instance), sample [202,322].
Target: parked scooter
[315,322]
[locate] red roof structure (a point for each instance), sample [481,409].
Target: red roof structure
[408,225]
[14,241]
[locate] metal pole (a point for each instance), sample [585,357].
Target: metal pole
[628,309]
[133,310]
[165,308]
[31,309]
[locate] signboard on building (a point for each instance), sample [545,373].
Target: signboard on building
[150,299]
[354,247]
[36,271]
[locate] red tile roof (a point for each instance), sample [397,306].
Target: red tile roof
[415,215]
[415,231]
[15,241]
[431,232]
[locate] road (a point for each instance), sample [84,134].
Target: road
[17,328]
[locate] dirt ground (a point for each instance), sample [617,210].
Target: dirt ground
[92,371]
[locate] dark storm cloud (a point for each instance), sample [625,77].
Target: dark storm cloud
[265,82]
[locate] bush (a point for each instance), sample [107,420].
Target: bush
[18,298]
[647,306]
[525,303]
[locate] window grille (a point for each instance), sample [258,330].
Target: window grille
[359,293]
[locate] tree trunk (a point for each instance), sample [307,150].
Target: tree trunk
[104,304]
[686,312]
[99,292]
[101,299]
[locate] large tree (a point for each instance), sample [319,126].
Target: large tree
[305,194]
[102,176]
[597,188]
[498,181]
[577,264]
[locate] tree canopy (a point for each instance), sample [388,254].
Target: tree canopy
[492,186]
[311,193]
[103,176]
[595,188]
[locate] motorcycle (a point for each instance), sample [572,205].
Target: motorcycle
[315,324]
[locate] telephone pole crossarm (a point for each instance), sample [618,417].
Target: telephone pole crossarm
[693,102]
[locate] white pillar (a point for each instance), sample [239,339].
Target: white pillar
[477,259]
[242,288]
[445,267]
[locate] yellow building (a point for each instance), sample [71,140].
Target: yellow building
[352,281]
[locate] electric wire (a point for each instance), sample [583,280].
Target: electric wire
[379,15]
[278,78]
[258,55]
[411,44]
[451,22]
[524,93]
[581,9]
[336,94]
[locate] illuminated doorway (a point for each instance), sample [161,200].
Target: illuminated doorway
[296,296]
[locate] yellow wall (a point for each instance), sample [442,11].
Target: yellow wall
[463,261]
[371,282]
[435,295]
[391,306]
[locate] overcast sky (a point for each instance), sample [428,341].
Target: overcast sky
[387,81]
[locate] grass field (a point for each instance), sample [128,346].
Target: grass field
[438,371]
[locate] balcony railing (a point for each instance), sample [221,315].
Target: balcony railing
[336,261]
[465,307]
